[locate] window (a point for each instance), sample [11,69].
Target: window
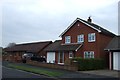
[91,37]
[67,39]
[61,57]
[89,54]
[70,54]
[80,38]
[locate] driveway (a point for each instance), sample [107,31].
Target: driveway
[70,75]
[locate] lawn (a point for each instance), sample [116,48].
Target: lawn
[37,71]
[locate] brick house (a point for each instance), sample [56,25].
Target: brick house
[81,39]
[114,53]
[15,53]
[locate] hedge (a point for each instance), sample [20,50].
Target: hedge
[90,64]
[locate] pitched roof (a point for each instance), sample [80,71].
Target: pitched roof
[92,25]
[57,46]
[114,44]
[29,47]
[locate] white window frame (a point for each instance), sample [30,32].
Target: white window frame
[90,54]
[70,53]
[80,38]
[67,39]
[91,37]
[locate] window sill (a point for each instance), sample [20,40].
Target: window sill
[91,41]
[70,57]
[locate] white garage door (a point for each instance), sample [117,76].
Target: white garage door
[50,57]
[116,61]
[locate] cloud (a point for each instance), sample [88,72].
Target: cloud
[0,23]
[36,20]
[119,18]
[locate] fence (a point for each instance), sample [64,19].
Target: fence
[51,65]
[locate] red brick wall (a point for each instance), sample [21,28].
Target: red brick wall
[104,40]
[56,57]
[76,30]
[14,56]
[79,53]
[97,46]
[49,65]
[82,29]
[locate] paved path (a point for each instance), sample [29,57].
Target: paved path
[110,73]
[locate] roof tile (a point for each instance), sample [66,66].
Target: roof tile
[29,47]
[57,46]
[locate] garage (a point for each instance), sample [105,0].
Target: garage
[50,57]
[116,60]
[114,53]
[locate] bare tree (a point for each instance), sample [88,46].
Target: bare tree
[11,44]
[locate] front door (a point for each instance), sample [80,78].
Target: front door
[61,58]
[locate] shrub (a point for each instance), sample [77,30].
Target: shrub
[89,64]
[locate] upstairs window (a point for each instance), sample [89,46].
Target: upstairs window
[91,37]
[80,38]
[89,54]
[67,39]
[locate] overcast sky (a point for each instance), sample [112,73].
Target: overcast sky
[42,20]
[119,18]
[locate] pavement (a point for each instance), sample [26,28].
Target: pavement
[111,73]
[72,74]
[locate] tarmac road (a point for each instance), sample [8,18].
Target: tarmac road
[15,74]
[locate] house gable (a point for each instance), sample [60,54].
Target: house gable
[78,28]
[78,19]
[91,25]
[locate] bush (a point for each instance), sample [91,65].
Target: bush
[89,64]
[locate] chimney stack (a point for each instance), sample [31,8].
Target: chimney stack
[89,19]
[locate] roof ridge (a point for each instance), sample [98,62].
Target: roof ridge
[96,25]
[57,40]
[32,43]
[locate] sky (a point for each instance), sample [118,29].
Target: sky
[24,21]
[119,18]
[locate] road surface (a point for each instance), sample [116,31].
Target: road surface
[10,73]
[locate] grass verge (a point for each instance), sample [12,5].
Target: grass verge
[37,71]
